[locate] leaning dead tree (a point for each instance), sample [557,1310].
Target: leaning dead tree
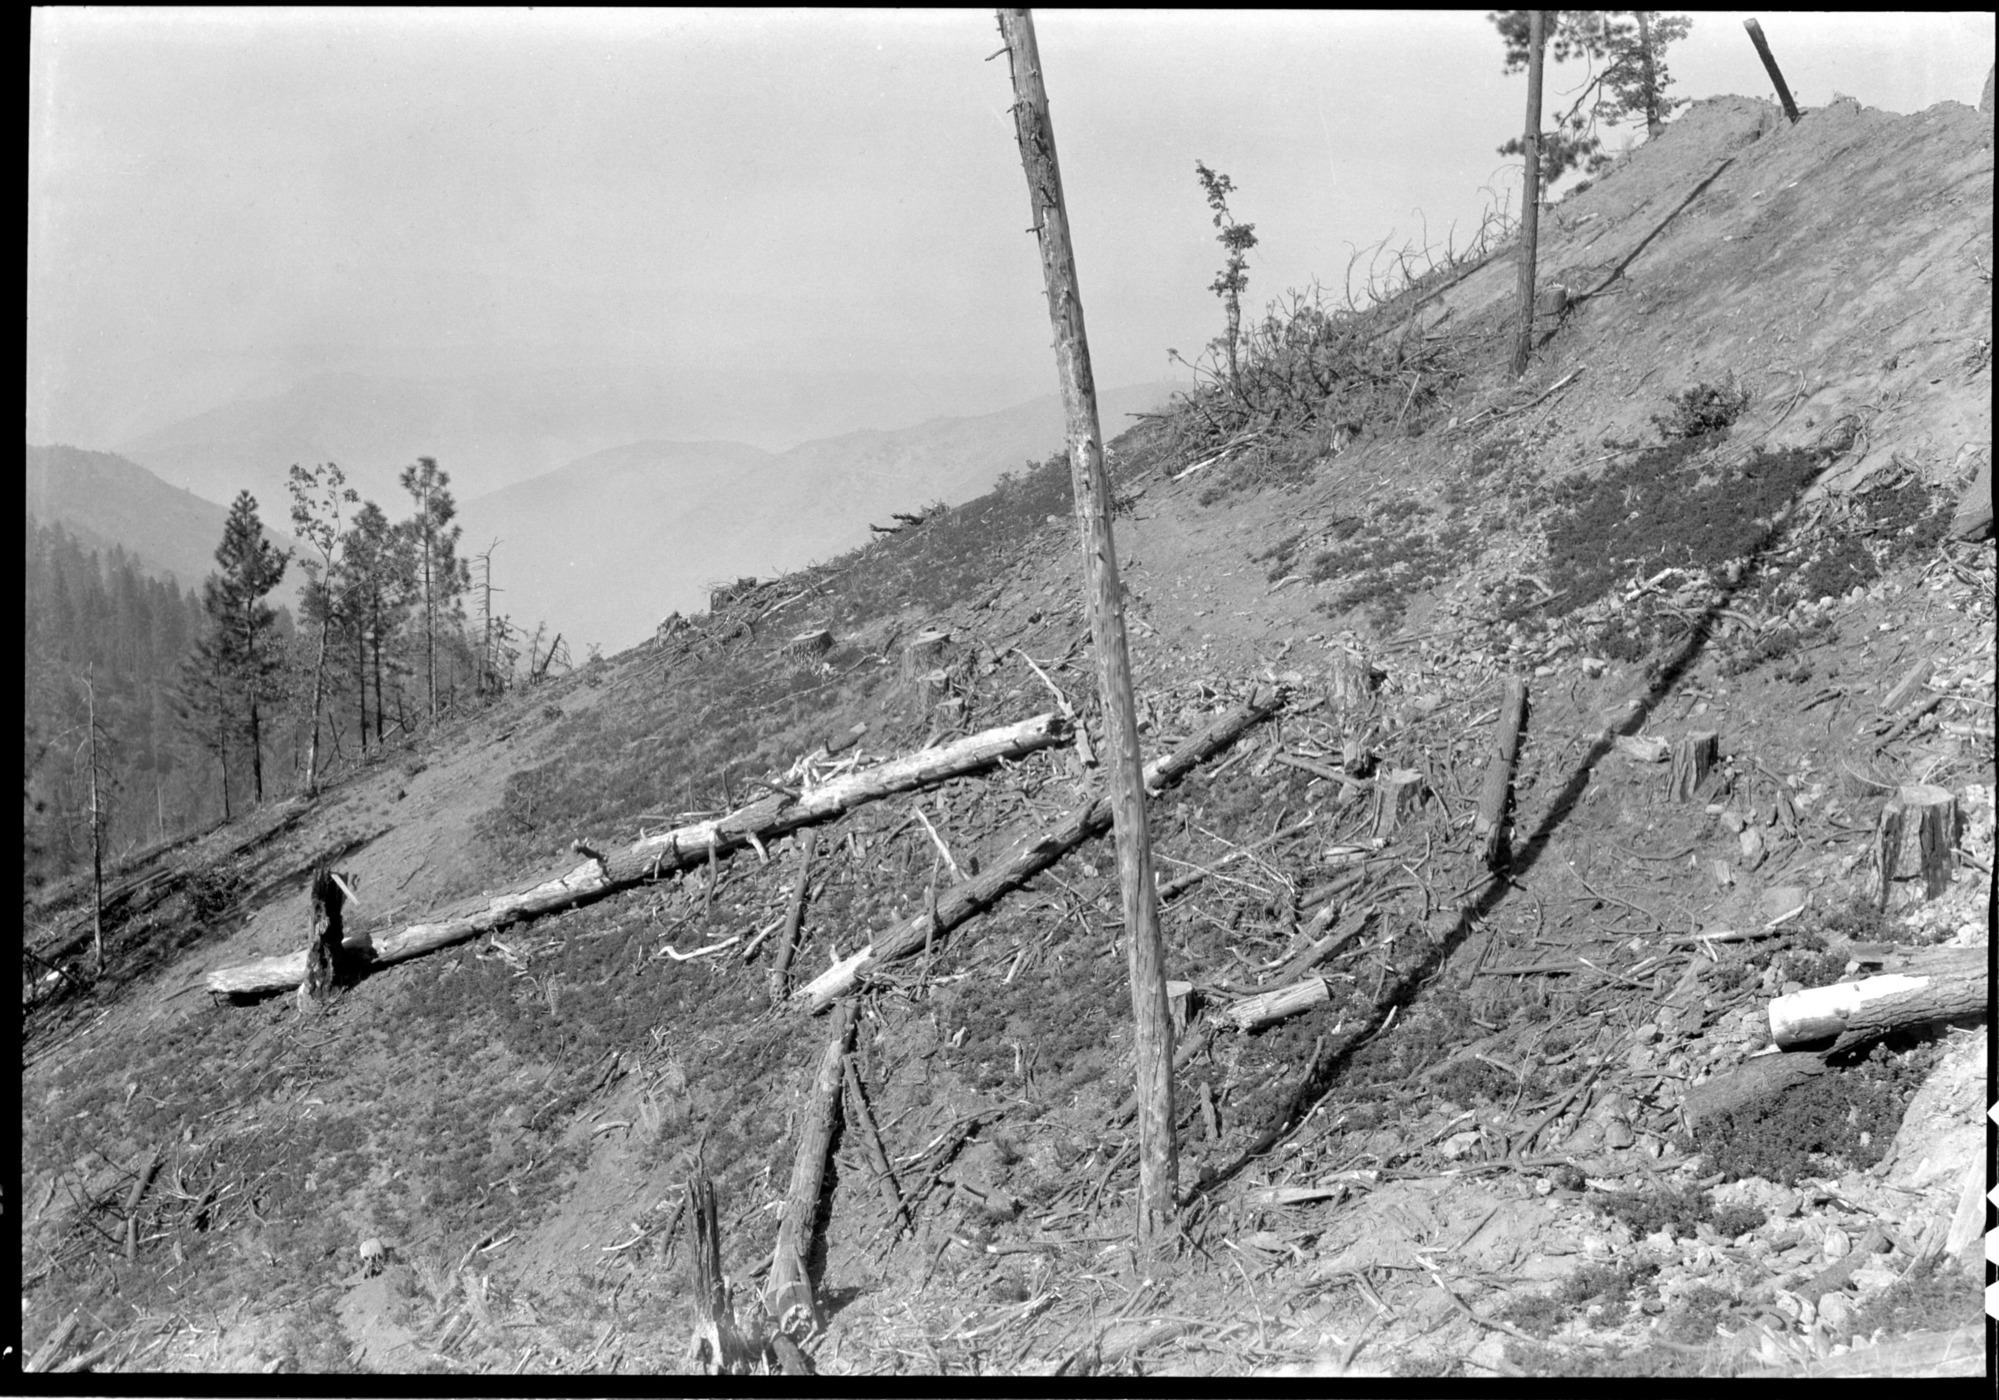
[661,855]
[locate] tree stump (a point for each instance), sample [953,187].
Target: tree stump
[1353,682]
[324,952]
[1693,761]
[1917,829]
[1398,793]
[808,646]
[718,1345]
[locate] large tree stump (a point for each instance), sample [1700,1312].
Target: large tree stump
[1917,829]
[1398,793]
[1693,760]
[326,959]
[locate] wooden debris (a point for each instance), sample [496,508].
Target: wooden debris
[777,981]
[791,1299]
[1398,793]
[718,1345]
[1917,829]
[1490,826]
[808,645]
[961,902]
[1863,1010]
[666,852]
[1907,686]
[1266,1007]
[1694,757]
[1973,520]
[326,958]
[871,1144]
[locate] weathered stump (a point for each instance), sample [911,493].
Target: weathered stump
[325,955]
[1398,793]
[1917,829]
[808,646]
[1694,758]
[1353,682]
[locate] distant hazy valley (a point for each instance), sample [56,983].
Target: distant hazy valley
[606,521]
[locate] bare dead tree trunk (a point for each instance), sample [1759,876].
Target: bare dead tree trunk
[1770,67]
[1530,213]
[1153,1031]
[96,824]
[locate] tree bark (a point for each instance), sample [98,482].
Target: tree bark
[1854,1011]
[655,856]
[1397,794]
[1918,827]
[1144,947]
[779,977]
[1266,1007]
[718,1346]
[791,1299]
[1530,207]
[1490,827]
[961,902]
[1693,759]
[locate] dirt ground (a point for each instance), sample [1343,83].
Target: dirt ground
[1473,1155]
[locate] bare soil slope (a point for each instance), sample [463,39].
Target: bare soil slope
[1717,504]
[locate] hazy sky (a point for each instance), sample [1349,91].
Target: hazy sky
[817,216]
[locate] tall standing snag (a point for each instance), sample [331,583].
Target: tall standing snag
[1530,210]
[1153,1032]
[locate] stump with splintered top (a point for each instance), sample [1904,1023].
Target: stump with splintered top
[1694,758]
[1913,840]
[325,953]
[1398,793]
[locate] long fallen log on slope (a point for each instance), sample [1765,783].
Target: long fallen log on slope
[662,854]
[972,897]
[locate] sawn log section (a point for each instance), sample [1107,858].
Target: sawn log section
[963,901]
[660,855]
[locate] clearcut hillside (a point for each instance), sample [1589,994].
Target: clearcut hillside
[1504,1119]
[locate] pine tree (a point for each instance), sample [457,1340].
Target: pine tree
[320,496]
[245,646]
[442,577]
[1631,84]
[377,573]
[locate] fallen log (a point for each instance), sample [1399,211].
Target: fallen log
[1872,1007]
[1953,984]
[792,1303]
[663,854]
[962,901]
[1266,1007]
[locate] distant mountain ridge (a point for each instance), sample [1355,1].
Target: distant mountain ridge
[608,545]
[104,500]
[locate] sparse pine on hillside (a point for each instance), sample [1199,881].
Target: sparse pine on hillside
[378,577]
[442,577]
[320,497]
[244,646]
[1627,53]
